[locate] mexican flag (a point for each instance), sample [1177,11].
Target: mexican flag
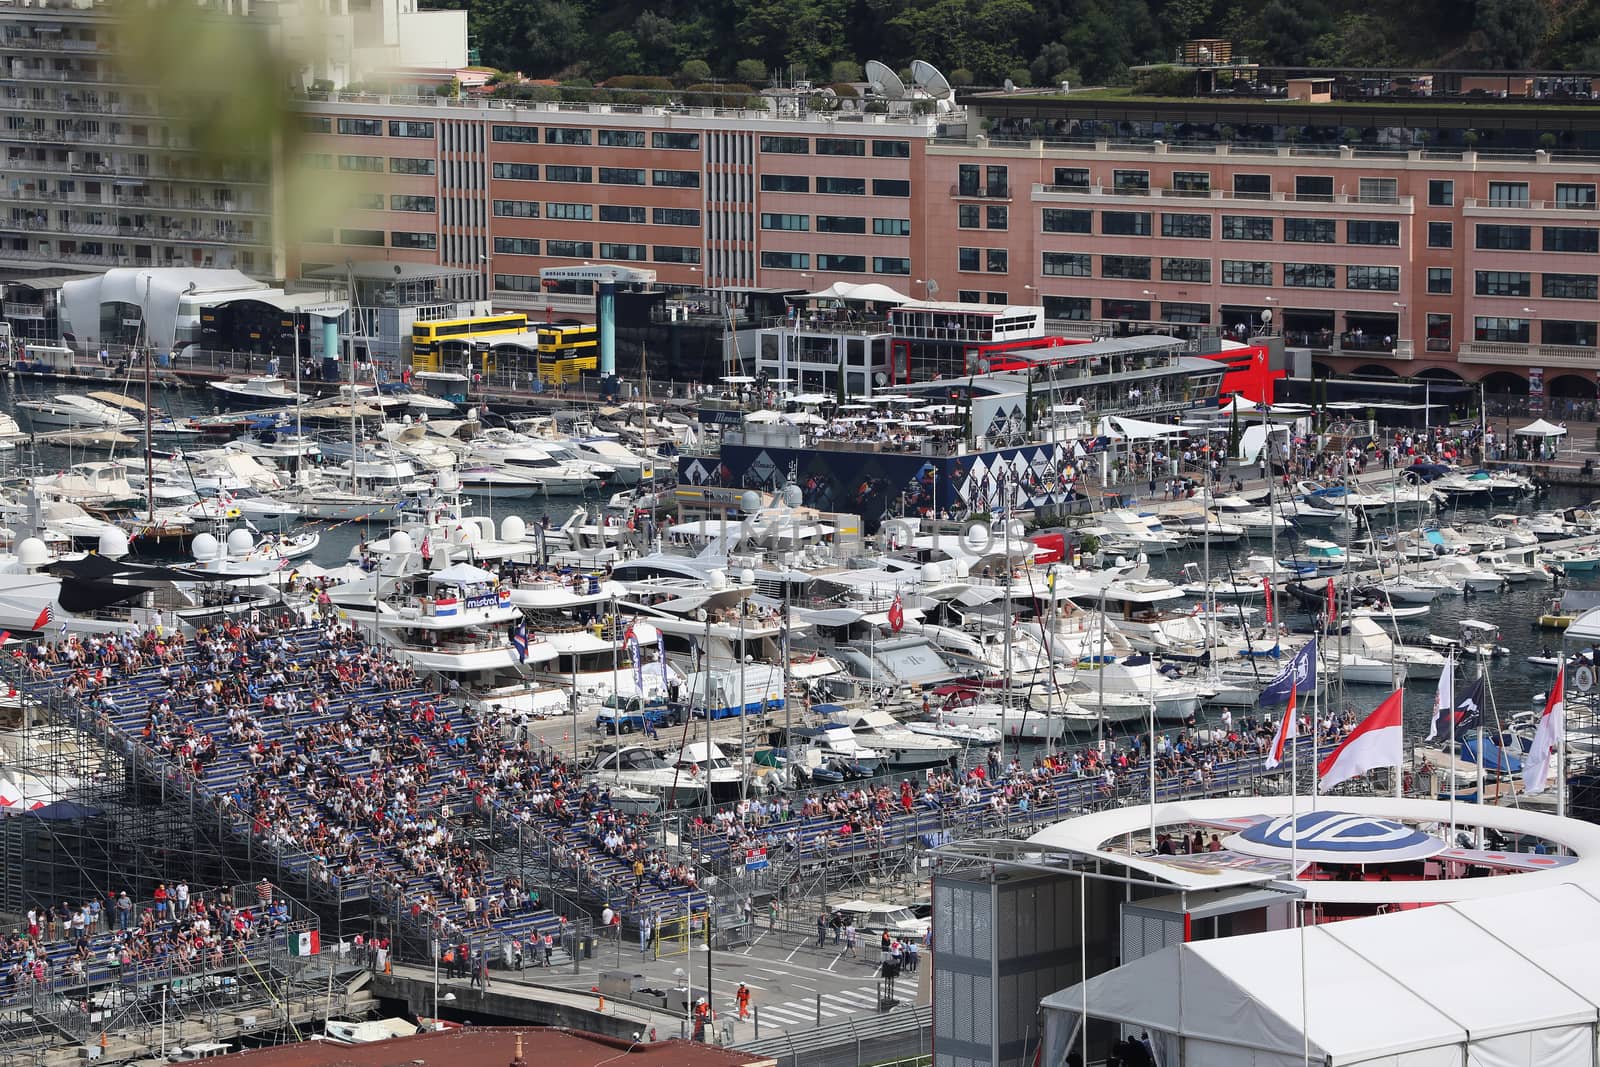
[305,943]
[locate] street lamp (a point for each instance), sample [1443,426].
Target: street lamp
[680,976]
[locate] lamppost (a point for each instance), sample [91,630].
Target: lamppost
[682,978]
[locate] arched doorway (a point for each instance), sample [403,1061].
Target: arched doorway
[1374,370]
[1440,374]
[1570,396]
[1505,393]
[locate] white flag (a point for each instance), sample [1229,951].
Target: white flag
[1552,726]
[1443,700]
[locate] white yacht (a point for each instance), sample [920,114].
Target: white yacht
[641,768]
[1143,532]
[882,732]
[507,483]
[70,411]
[258,391]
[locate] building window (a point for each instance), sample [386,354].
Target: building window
[518,283]
[1310,231]
[515,134]
[841,146]
[1441,193]
[1125,223]
[1497,328]
[995,260]
[1309,275]
[1196,226]
[675,254]
[621,176]
[1378,190]
[891,187]
[1562,238]
[522,172]
[1130,182]
[1246,272]
[1438,333]
[1381,279]
[676,179]
[1504,283]
[785,260]
[1130,268]
[400,128]
[577,175]
[1186,270]
[1315,187]
[361,163]
[891,149]
[793,146]
[1561,332]
[891,265]
[1072,179]
[842,186]
[413,239]
[397,202]
[677,216]
[1246,227]
[365,202]
[673,139]
[995,216]
[891,227]
[968,259]
[1068,265]
[841,224]
[516,209]
[1134,310]
[1067,220]
[1372,232]
[414,166]
[315,124]
[623,138]
[968,217]
[849,264]
[1441,280]
[1508,194]
[361,237]
[1191,182]
[570,249]
[1506,238]
[609,250]
[785,183]
[996,298]
[1441,234]
[1574,195]
[1252,186]
[1184,312]
[1068,308]
[968,296]
[361,128]
[516,246]
[774,221]
[1568,286]
[621,213]
[570,212]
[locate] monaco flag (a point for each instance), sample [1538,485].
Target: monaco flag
[1287,731]
[1552,724]
[1376,742]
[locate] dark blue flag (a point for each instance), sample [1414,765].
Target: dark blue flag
[519,640]
[1300,674]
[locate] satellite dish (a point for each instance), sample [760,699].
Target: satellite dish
[885,82]
[929,80]
[1010,86]
[1266,316]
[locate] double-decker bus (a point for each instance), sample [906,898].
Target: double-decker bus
[429,339]
[567,349]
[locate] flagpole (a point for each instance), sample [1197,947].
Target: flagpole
[1450,666]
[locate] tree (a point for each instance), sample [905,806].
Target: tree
[1052,61]
[750,70]
[1289,27]
[845,70]
[1506,33]
[695,70]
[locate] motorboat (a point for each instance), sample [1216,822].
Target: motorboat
[706,761]
[882,732]
[1328,557]
[1413,589]
[1476,640]
[507,483]
[258,391]
[1514,565]
[963,734]
[640,768]
[1470,573]
[1358,669]
[1131,682]
[1143,532]
[836,745]
[71,411]
[1367,637]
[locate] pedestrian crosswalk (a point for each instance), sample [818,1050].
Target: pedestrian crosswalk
[835,1004]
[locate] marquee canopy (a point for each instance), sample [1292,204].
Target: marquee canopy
[1540,428]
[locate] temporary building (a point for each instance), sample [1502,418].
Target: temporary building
[1497,981]
[1540,428]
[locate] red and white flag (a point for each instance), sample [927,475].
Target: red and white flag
[1287,731]
[897,615]
[1266,588]
[1376,742]
[1552,724]
[1333,602]
[46,617]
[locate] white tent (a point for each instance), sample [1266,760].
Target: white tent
[872,291]
[1138,429]
[464,573]
[1540,428]
[1493,982]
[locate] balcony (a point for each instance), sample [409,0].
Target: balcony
[1511,354]
[981,192]
[136,203]
[75,228]
[1559,208]
[1383,205]
[14,310]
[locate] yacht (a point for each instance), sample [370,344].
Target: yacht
[704,761]
[884,733]
[507,483]
[836,745]
[641,768]
[70,411]
[1133,682]
[1143,532]
[1328,556]
[258,391]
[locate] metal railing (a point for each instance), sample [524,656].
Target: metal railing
[901,1034]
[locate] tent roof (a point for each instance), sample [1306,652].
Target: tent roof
[1540,428]
[1140,430]
[872,291]
[1380,986]
[463,572]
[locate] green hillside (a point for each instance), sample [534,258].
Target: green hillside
[983,42]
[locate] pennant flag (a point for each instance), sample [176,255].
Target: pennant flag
[632,640]
[46,617]
[661,658]
[1444,702]
[1552,724]
[1333,601]
[519,640]
[1287,731]
[305,943]
[1375,742]
[897,615]
[1301,673]
[1266,587]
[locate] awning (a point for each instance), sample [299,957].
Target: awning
[872,291]
[1540,428]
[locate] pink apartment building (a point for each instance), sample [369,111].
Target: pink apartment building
[1457,264]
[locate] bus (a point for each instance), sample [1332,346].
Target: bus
[429,339]
[567,348]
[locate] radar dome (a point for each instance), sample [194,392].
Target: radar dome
[32,553]
[750,501]
[963,568]
[513,528]
[240,542]
[113,543]
[719,579]
[747,577]
[447,481]
[205,546]
[793,495]
[400,543]
[932,573]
